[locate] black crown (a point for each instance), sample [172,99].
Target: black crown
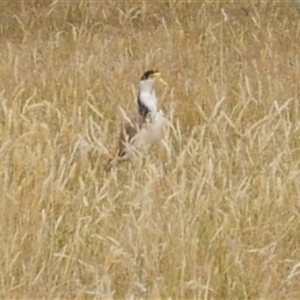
[148,74]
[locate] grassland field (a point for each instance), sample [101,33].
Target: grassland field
[214,214]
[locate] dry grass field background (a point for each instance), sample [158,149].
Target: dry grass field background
[216,216]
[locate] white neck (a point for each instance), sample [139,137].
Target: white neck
[147,97]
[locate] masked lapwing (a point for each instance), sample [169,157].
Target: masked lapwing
[143,129]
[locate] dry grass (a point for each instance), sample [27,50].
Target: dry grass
[216,218]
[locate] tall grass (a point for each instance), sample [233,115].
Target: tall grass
[215,217]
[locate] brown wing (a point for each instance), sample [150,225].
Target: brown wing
[129,129]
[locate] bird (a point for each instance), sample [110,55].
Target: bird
[143,129]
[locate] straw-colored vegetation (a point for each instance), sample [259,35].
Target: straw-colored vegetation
[215,215]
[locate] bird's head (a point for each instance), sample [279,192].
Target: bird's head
[149,78]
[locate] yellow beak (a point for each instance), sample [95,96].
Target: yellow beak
[157,76]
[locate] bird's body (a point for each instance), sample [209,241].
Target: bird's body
[144,128]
